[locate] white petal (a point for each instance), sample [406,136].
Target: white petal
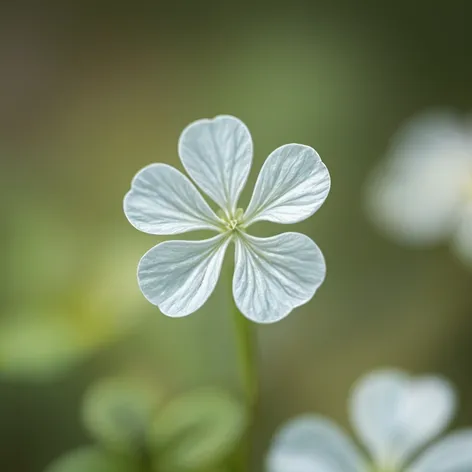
[415,195]
[395,414]
[292,185]
[462,239]
[274,275]
[451,454]
[217,154]
[179,276]
[163,201]
[313,444]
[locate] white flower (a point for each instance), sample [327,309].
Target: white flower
[272,275]
[395,416]
[422,193]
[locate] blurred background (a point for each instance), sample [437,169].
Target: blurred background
[93,91]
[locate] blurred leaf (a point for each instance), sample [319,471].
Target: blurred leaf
[211,469]
[118,413]
[70,305]
[196,430]
[90,459]
[109,302]
[38,347]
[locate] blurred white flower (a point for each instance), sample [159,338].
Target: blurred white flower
[272,275]
[395,416]
[422,192]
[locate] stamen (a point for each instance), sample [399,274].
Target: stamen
[235,220]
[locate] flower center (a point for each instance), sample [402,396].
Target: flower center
[233,222]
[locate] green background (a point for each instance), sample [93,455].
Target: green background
[93,91]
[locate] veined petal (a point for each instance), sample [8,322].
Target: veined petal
[275,275]
[451,454]
[313,444]
[416,194]
[292,185]
[217,154]
[395,414]
[163,201]
[179,276]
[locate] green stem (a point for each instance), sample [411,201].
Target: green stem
[246,347]
[246,351]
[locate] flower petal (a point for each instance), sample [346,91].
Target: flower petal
[275,275]
[179,276]
[163,201]
[292,185]
[415,195]
[217,154]
[311,443]
[451,454]
[395,414]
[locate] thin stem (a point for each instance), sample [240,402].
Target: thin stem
[246,351]
[246,346]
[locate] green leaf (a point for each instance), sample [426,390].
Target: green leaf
[118,413]
[91,459]
[38,347]
[196,430]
